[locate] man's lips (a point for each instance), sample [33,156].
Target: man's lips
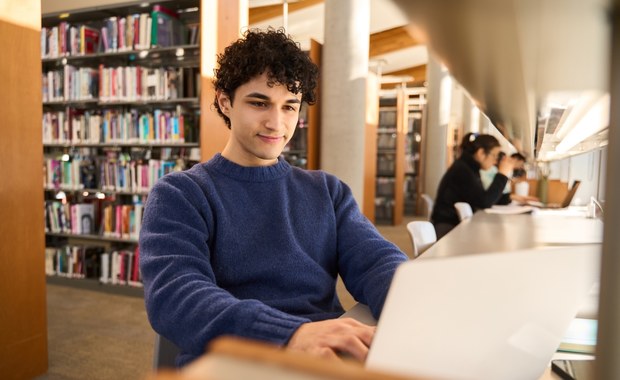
[270,139]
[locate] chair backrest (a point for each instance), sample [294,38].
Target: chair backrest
[463,209]
[165,353]
[422,235]
[428,202]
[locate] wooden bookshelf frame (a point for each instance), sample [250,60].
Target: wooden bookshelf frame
[23,335]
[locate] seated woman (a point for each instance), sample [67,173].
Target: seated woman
[510,195]
[462,183]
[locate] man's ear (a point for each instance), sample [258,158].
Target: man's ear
[223,100]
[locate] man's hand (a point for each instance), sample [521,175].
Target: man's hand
[332,337]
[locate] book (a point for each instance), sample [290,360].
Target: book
[105,268]
[50,257]
[509,209]
[166,28]
[580,337]
[89,38]
[83,217]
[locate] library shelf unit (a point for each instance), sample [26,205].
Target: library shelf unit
[93,156]
[399,143]
[121,108]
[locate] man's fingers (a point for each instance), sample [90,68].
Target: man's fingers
[326,338]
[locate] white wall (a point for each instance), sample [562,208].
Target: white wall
[587,168]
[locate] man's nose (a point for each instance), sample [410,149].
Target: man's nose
[274,118]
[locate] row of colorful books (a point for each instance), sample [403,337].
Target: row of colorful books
[120,221]
[70,84]
[114,172]
[75,219]
[160,28]
[120,84]
[385,187]
[119,267]
[73,126]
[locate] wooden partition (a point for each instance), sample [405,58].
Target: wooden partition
[23,330]
[234,358]
[556,190]
[221,22]
[314,114]
[370,145]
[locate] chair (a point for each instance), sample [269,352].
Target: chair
[429,203]
[463,209]
[422,236]
[165,353]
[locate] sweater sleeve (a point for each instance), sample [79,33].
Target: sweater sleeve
[366,260]
[183,300]
[475,194]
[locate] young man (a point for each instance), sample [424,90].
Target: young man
[246,244]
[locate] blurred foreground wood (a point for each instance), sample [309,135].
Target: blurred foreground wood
[233,358]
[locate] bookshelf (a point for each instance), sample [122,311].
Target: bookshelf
[94,139]
[121,108]
[416,121]
[399,143]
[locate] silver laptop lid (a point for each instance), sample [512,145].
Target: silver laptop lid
[487,316]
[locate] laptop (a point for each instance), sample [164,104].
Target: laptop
[565,202]
[487,316]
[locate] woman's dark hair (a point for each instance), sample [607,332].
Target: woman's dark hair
[272,52]
[472,142]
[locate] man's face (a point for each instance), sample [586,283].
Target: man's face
[262,121]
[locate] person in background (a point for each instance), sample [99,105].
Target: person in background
[487,176]
[247,245]
[509,194]
[519,168]
[462,183]
[521,187]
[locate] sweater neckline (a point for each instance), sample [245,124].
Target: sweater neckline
[248,173]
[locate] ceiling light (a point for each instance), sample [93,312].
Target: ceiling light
[591,121]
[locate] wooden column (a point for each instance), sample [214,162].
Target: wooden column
[221,24]
[370,145]
[314,114]
[23,330]
[607,365]
[402,115]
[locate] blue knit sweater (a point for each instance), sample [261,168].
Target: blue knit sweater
[255,252]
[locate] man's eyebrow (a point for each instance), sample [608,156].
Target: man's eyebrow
[259,95]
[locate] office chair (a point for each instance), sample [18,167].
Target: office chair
[165,353]
[422,236]
[463,209]
[429,203]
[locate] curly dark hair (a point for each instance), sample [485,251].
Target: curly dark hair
[272,52]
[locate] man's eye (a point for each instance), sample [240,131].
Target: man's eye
[258,104]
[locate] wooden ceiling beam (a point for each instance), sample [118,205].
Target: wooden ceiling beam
[391,40]
[259,14]
[417,72]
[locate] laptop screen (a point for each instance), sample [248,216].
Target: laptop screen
[486,316]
